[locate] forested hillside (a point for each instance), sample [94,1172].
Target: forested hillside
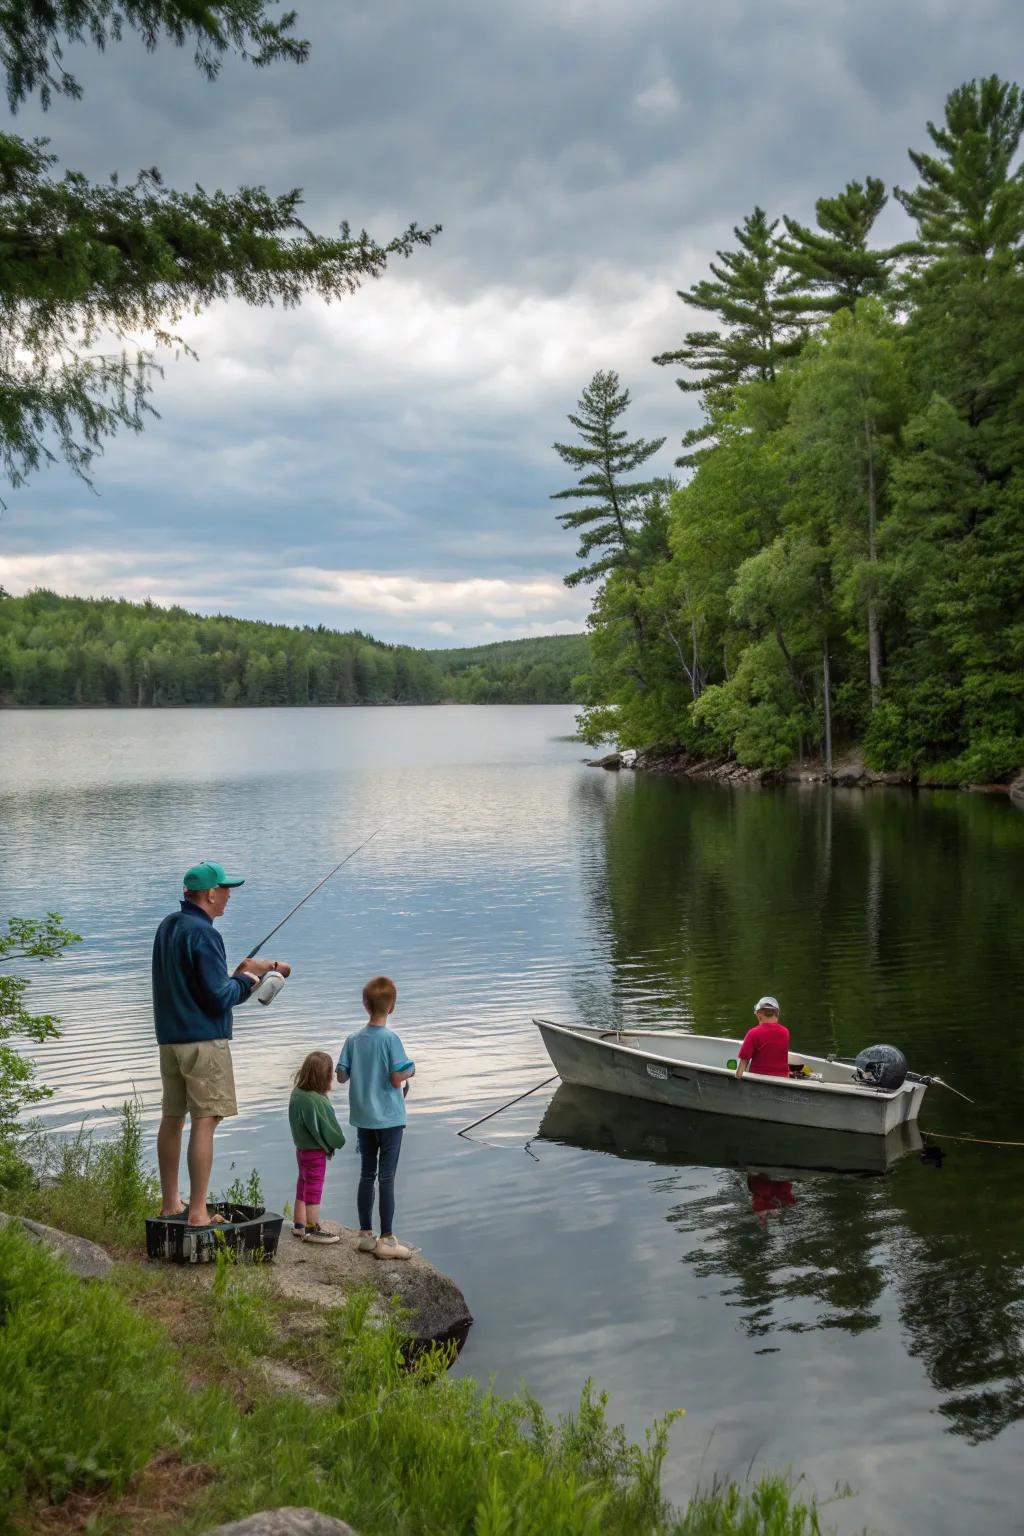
[845,560]
[546,670]
[101,651]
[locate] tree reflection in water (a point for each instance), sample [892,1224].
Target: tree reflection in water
[874,916]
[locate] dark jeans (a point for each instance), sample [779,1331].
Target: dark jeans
[386,1145]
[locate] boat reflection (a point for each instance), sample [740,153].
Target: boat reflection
[773,1156]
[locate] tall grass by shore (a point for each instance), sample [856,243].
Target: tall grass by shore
[149,1404]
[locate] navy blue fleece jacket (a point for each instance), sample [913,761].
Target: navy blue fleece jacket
[193,995]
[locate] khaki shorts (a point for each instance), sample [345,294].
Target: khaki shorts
[198,1077]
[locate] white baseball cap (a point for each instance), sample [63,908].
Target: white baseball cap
[766,1002]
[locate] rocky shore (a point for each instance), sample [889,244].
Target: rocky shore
[436,1309]
[849,772]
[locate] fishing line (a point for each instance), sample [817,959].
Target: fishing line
[254,952]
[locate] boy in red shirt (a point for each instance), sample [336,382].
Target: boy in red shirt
[765,1048]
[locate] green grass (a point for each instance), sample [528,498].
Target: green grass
[93,1390]
[96,1187]
[144,1402]
[78,1407]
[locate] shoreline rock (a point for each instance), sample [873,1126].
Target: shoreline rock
[87,1260]
[849,772]
[308,1272]
[286,1521]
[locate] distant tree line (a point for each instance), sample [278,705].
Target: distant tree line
[102,651]
[844,561]
[547,670]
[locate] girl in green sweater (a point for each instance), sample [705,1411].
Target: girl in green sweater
[317,1136]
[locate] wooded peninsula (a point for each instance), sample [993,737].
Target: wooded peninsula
[845,562]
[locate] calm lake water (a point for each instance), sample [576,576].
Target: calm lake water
[853,1328]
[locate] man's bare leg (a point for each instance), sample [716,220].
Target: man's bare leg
[168,1156]
[200,1167]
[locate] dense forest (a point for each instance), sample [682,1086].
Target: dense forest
[844,560]
[547,670]
[101,651]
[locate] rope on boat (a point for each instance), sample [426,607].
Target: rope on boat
[498,1111]
[979,1141]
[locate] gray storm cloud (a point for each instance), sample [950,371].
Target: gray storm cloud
[585,158]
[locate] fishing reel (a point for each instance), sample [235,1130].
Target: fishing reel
[271,985]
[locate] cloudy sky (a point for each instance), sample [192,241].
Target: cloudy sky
[386,462]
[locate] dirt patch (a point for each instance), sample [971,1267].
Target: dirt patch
[154,1501]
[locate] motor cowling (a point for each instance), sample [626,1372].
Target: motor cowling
[881,1066]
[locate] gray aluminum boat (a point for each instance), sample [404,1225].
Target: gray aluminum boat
[653,1133]
[690,1072]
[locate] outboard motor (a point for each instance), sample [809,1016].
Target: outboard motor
[881,1066]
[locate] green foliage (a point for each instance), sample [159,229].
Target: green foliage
[604,459]
[57,650]
[547,670]
[847,559]
[833,265]
[246,1191]
[751,295]
[96,1186]
[24,939]
[33,34]
[80,261]
[87,1387]
[91,1392]
[74,650]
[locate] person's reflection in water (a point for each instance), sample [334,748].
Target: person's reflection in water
[767,1195]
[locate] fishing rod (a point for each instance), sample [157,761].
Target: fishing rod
[273,981]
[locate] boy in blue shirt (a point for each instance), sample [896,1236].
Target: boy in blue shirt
[374,1064]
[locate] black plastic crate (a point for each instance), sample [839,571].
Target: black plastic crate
[249,1231]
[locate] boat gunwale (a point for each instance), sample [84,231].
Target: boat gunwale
[598,1037]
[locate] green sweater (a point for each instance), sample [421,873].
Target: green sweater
[314,1124]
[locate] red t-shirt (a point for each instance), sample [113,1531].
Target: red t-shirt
[766,1047]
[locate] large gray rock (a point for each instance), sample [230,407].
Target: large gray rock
[325,1274]
[83,1258]
[285,1522]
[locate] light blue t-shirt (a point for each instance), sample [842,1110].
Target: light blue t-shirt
[369,1058]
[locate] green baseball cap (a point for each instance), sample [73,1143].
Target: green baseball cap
[203,877]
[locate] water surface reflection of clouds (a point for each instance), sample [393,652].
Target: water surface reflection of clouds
[870,1332]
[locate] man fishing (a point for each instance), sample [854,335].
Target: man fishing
[193,996]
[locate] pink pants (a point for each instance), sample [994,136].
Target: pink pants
[312,1170]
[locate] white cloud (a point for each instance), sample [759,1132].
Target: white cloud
[393,605]
[429,599]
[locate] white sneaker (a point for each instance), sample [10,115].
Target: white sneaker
[390,1248]
[320,1235]
[367,1242]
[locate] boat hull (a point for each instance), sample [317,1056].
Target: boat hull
[633,1130]
[599,1059]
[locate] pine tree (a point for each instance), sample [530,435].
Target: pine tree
[33,34]
[81,260]
[965,340]
[969,204]
[749,291]
[834,263]
[613,517]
